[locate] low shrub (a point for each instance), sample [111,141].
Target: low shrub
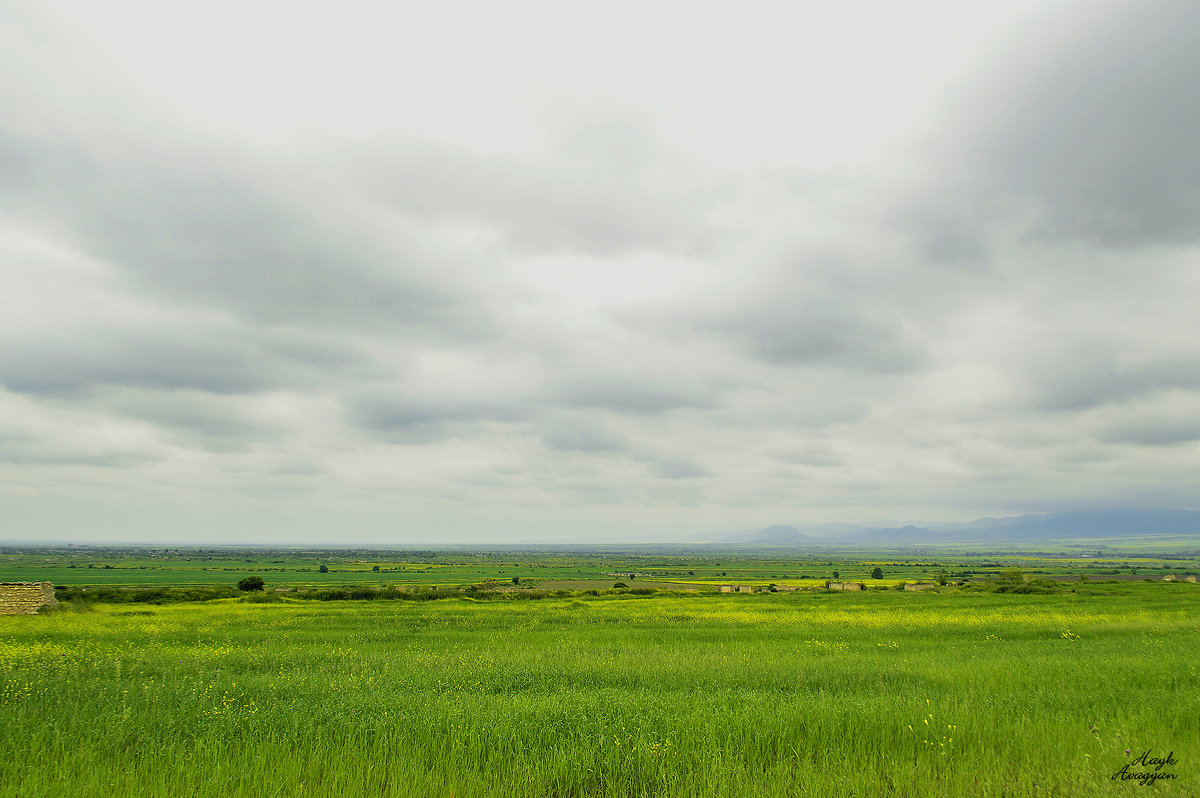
[257,597]
[147,595]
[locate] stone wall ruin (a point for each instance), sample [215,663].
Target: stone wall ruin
[26,598]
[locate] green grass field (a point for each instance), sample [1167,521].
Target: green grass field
[809,693]
[134,567]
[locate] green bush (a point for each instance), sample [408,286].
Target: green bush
[251,583]
[1042,586]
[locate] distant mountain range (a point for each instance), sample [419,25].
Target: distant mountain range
[1097,524]
[778,533]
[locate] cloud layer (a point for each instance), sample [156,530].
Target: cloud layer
[456,274]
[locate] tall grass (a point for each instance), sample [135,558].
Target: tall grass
[804,694]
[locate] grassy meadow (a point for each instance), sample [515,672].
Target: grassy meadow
[700,694]
[576,569]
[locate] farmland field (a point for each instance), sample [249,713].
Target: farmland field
[577,568]
[806,693]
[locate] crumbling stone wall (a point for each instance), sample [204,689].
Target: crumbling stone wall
[25,598]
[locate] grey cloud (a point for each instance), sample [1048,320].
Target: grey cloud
[679,468]
[593,492]
[211,423]
[71,369]
[634,394]
[278,264]
[815,456]
[219,361]
[1082,378]
[1153,432]
[29,450]
[224,243]
[954,246]
[202,225]
[1101,134]
[420,419]
[20,158]
[831,333]
[1168,419]
[281,489]
[950,227]
[582,435]
[297,468]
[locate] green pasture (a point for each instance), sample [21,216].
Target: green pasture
[132,567]
[810,693]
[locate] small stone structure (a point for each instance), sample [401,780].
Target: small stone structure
[744,589]
[919,587]
[785,588]
[1191,579]
[1169,578]
[725,588]
[845,586]
[26,598]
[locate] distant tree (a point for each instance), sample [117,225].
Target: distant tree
[375,569]
[877,573]
[942,577]
[251,583]
[323,569]
[516,580]
[620,584]
[836,575]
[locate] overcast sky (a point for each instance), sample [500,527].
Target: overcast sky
[520,271]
